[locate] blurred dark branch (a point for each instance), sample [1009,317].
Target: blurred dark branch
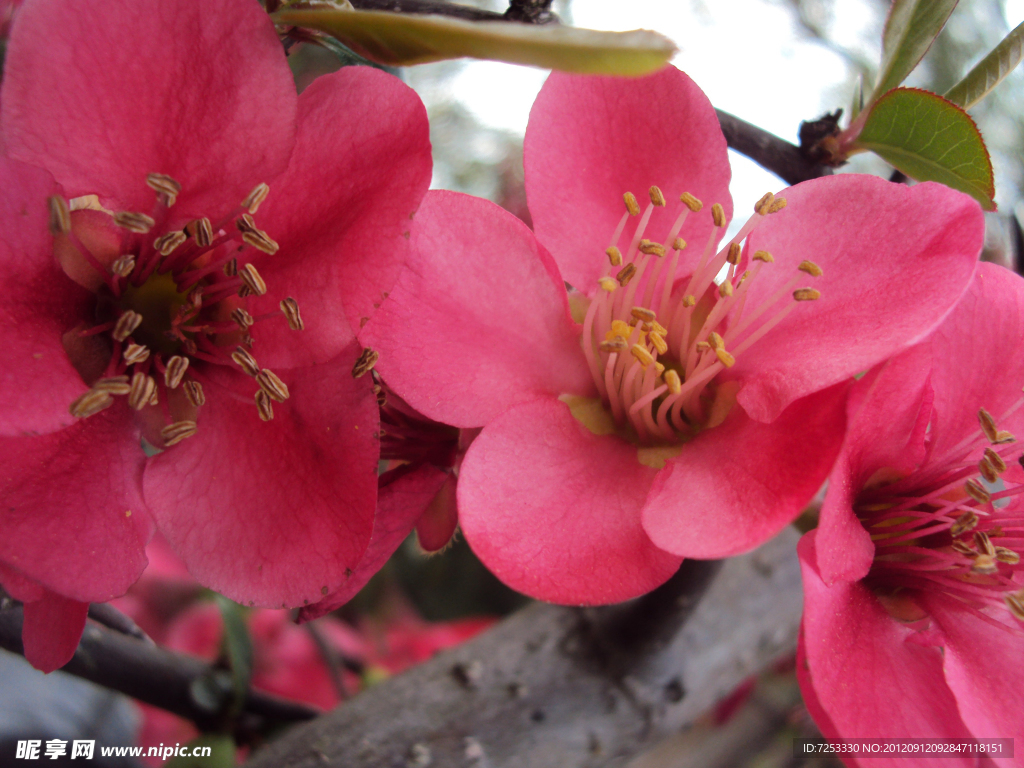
[560,687]
[184,685]
[766,149]
[109,616]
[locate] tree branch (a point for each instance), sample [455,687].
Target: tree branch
[181,684]
[556,687]
[766,149]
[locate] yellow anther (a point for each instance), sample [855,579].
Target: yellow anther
[725,358]
[689,300]
[142,391]
[290,308]
[607,284]
[365,363]
[245,361]
[761,206]
[656,197]
[271,384]
[626,274]
[984,543]
[806,294]
[718,215]
[135,353]
[134,222]
[163,184]
[614,256]
[168,241]
[260,241]
[254,198]
[1008,556]
[715,341]
[202,231]
[126,325]
[988,424]
[178,431]
[673,382]
[123,266]
[659,368]
[963,549]
[777,205]
[644,357]
[642,313]
[1002,436]
[734,253]
[1015,602]
[649,247]
[703,346]
[810,268]
[631,204]
[91,403]
[621,328]
[725,289]
[659,342]
[967,521]
[995,460]
[252,280]
[614,344]
[679,243]
[175,371]
[60,215]
[263,406]
[987,470]
[985,565]
[977,491]
[194,393]
[691,202]
[659,328]
[763,256]
[114,385]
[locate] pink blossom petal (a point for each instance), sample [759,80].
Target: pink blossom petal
[591,139]
[736,485]
[53,626]
[987,374]
[982,665]
[37,382]
[554,510]
[480,320]
[198,91]
[398,508]
[273,513]
[895,260]
[72,513]
[360,168]
[888,413]
[867,677]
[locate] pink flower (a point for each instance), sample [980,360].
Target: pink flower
[190,308]
[913,600]
[597,470]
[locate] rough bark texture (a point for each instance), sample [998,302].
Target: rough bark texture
[557,687]
[780,157]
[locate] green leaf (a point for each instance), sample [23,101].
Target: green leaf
[238,646]
[403,39]
[222,753]
[911,28]
[929,139]
[990,71]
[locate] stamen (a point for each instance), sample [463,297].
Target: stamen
[194,392]
[167,242]
[718,215]
[626,274]
[995,460]
[810,268]
[230,268]
[164,185]
[761,206]
[259,240]
[123,266]
[976,491]
[691,202]
[649,247]
[987,470]
[1015,602]
[734,253]
[290,307]
[616,344]
[673,382]
[614,256]
[135,353]
[966,522]
[656,197]
[134,222]
[659,342]
[763,256]
[142,390]
[255,198]
[679,243]
[777,205]
[202,231]
[1008,556]
[806,294]
[985,565]
[176,367]
[725,358]
[272,385]
[984,543]
[245,361]
[365,363]
[126,325]
[725,289]
[91,403]
[263,406]
[242,318]
[60,215]
[642,355]
[1003,437]
[607,284]
[178,431]
[252,279]
[631,204]
[643,314]
[114,385]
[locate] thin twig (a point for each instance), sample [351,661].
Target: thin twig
[766,149]
[109,616]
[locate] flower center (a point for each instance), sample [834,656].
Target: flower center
[173,303]
[656,340]
[955,527]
